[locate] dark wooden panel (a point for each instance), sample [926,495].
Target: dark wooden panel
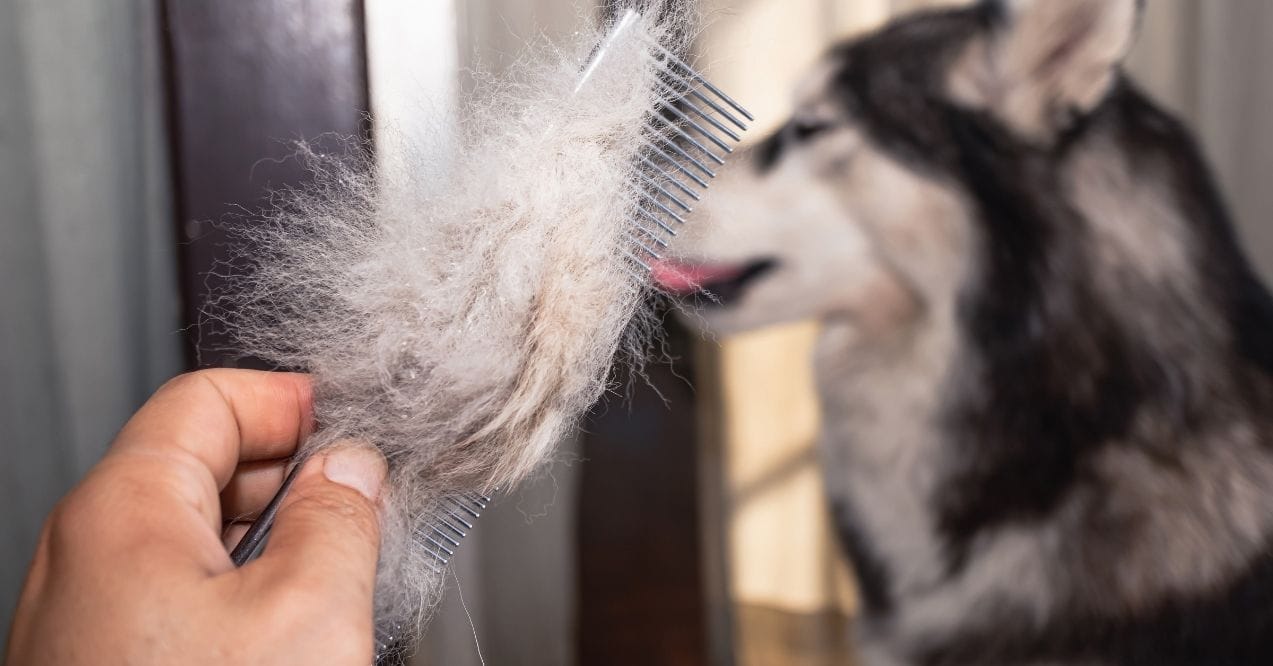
[247,78]
[640,577]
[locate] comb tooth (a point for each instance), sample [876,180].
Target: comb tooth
[465,508]
[676,164]
[634,273]
[444,536]
[467,525]
[387,639]
[680,204]
[432,552]
[439,535]
[693,142]
[480,500]
[691,90]
[667,178]
[682,98]
[656,219]
[438,545]
[697,128]
[692,160]
[640,263]
[719,109]
[690,71]
[650,233]
[671,213]
[657,233]
[637,241]
[447,524]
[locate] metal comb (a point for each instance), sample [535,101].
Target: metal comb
[439,538]
[693,130]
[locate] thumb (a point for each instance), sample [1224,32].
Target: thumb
[326,538]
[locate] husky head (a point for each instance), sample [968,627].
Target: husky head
[1036,319]
[861,207]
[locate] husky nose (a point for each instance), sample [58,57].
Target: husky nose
[803,129]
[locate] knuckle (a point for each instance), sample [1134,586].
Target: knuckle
[196,380]
[184,381]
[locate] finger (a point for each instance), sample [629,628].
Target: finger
[159,484]
[326,538]
[251,488]
[232,535]
[221,417]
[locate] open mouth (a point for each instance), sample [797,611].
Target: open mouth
[708,284]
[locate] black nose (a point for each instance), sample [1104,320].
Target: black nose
[768,152]
[803,129]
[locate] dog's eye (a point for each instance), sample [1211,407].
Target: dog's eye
[804,129]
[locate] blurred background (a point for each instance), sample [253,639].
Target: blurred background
[689,531]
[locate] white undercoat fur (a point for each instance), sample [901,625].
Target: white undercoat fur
[461,311]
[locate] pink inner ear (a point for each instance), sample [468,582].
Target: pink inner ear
[682,278]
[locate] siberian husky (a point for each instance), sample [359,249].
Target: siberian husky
[1046,366]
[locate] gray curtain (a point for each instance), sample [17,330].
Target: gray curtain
[89,316]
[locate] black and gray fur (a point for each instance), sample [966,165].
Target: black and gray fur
[1060,452]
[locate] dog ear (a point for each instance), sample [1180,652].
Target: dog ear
[1045,61]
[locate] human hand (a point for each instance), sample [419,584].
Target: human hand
[131,567]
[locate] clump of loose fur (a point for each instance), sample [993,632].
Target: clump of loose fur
[461,311]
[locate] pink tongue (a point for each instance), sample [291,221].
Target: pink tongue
[681,279]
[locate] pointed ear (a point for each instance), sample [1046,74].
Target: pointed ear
[1044,61]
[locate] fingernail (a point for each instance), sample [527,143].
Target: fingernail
[359,467]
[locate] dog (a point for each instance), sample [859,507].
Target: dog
[1046,366]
